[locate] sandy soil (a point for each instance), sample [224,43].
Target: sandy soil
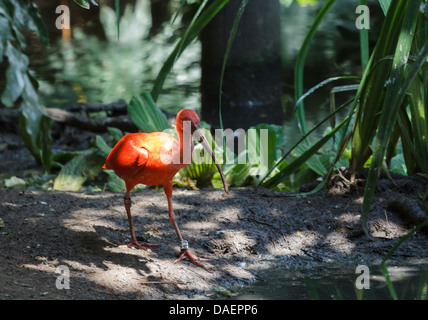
[243,233]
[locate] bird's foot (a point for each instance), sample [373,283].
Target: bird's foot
[138,245]
[186,254]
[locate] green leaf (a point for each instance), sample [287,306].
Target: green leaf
[15,75]
[295,164]
[400,82]
[75,173]
[35,22]
[115,183]
[300,63]
[20,87]
[258,150]
[281,161]
[385,5]
[383,266]
[202,167]
[226,54]
[371,93]
[182,3]
[364,42]
[102,145]
[117,8]
[35,126]
[14,182]
[116,133]
[85,4]
[146,115]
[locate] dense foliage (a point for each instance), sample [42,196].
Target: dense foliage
[386,117]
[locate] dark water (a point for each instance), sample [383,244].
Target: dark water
[333,283]
[101,69]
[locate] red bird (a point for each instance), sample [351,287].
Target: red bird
[154,158]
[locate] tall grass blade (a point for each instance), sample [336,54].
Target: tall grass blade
[383,266]
[393,99]
[301,140]
[372,94]
[303,158]
[182,3]
[193,31]
[300,63]
[226,54]
[117,8]
[322,84]
[190,27]
[385,5]
[364,42]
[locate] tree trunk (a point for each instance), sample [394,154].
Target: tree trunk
[251,91]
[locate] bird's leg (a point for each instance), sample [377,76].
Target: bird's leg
[134,243]
[184,247]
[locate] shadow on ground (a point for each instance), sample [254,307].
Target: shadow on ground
[243,233]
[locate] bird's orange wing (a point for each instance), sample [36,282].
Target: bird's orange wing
[127,157]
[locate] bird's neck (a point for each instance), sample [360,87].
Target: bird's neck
[186,143]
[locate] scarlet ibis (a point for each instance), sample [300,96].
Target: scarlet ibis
[154,158]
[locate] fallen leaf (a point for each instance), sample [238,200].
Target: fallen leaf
[14,182]
[152,231]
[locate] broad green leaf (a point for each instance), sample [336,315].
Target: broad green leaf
[35,22]
[263,147]
[102,145]
[146,115]
[75,173]
[115,183]
[35,126]
[20,87]
[116,133]
[15,75]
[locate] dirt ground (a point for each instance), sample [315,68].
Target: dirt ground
[243,233]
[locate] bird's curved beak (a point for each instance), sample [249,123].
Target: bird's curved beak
[199,135]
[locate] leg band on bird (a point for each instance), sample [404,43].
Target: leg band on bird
[184,245]
[127,201]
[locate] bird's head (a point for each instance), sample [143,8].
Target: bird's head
[188,115]
[192,117]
